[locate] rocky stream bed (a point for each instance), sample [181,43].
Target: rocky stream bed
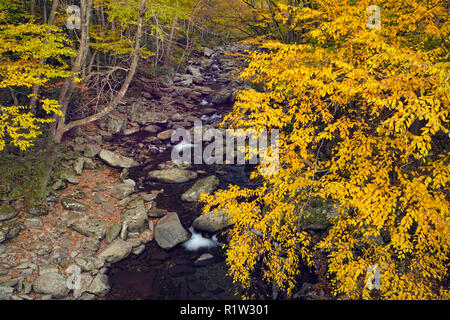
[123,219]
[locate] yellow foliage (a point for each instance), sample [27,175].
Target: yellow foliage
[363,119]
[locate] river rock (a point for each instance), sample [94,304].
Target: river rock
[8,232]
[121,191]
[114,232]
[152,128]
[85,282]
[112,123]
[116,251]
[91,151]
[169,232]
[212,222]
[91,228]
[205,185]
[136,110]
[172,175]
[117,160]
[165,135]
[221,97]
[135,215]
[152,118]
[7,212]
[100,286]
[51,283]
[37,210]
[70,204]
[6,293]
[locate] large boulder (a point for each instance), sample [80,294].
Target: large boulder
[116,251]
[205,185]
[117,160]
[212,221]
[51,283]
[135,110]
[135,215]
[172,175]
[169,232]
[6,292]
[91,228]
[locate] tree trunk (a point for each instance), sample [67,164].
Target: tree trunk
[62,128]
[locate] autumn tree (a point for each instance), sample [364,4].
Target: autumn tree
[363,112]
[31,54]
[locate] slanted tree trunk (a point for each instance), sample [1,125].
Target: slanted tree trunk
[63,127]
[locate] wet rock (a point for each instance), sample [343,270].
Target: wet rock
[117,160]
[205,185]
[91,228]
[7,212]
[172,175]
[100,286]
[212,222]
[135,215]
[70,204]
[116,251]
[51,283]
[169,232]
[113,232]
[121,191]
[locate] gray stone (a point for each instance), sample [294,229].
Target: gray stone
[7,212]
[169,232]
[91,228]
[33,222]
[152,118]
[51,283]
[59,185]
[208,52]
[121,191]
[100,286]
[136,110]
[172,175]
[113,124]
[78,166]
[37,210]
[6,293]
[117,160]
[135,215]
[212,222]
[91,151]
[165,135]
[113,232]
[85,282]
[138,250]
[152,128]
[70,204]
[69,177]
[205,185]
[116,251]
